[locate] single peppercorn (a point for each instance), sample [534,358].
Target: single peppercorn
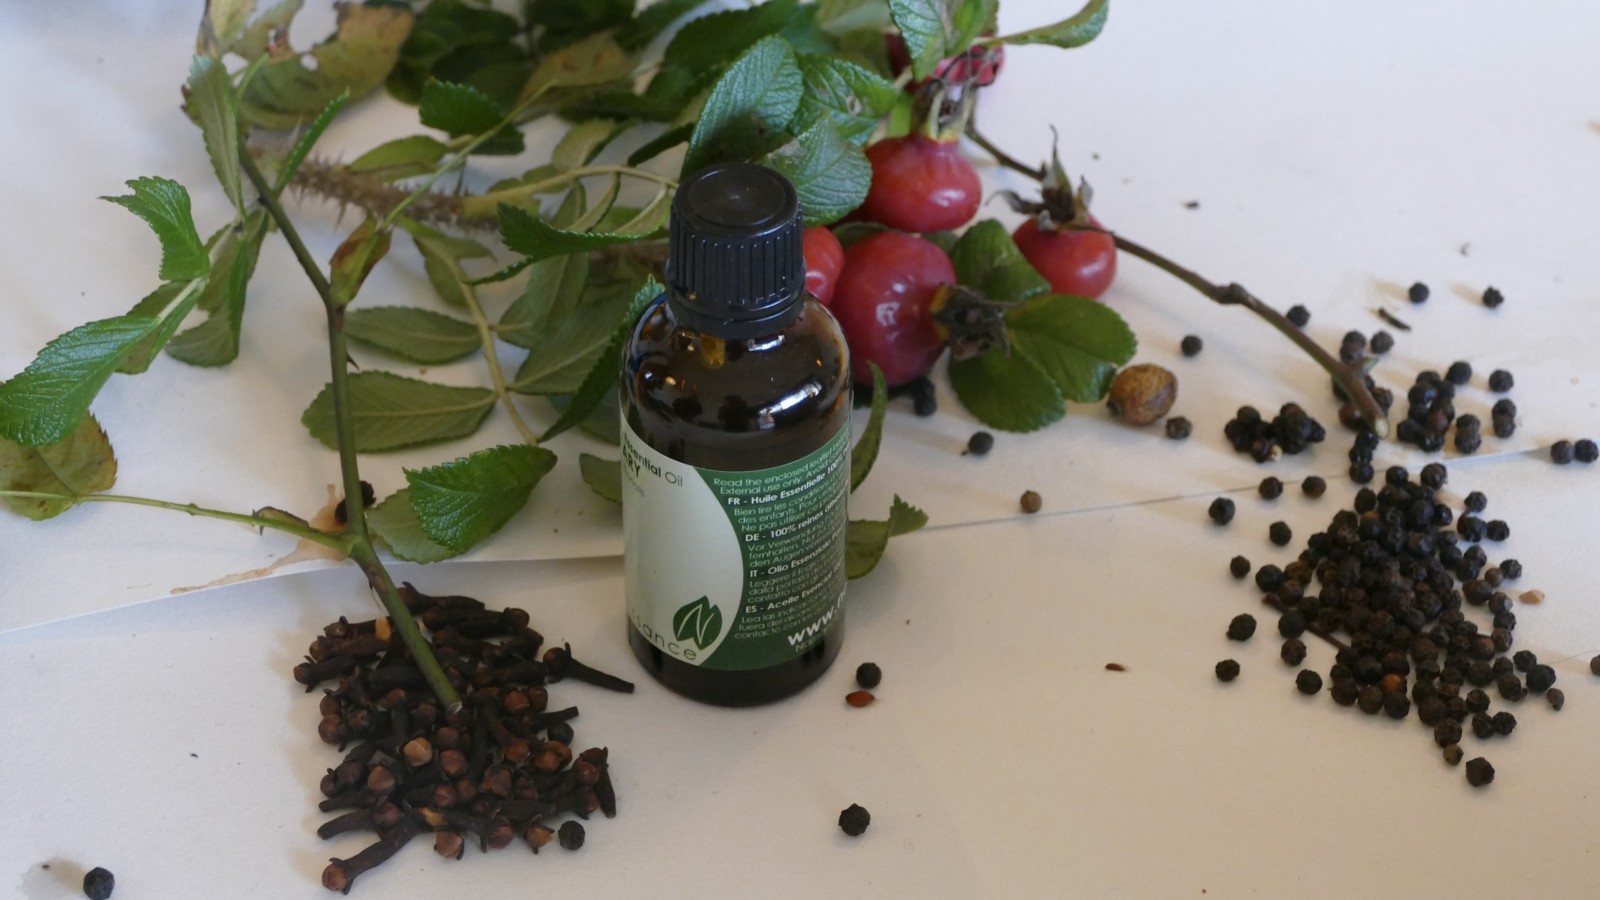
[1361,473]
[1239,566]
[570,834]
[1477,700]
[1269,578]
[1381,342]
[1557,698]
[1396,705]
[1298,315]
[1293,651]
[1453,754]
[1524,660]
[1308,682]
[1447,732]
[1370,699]
[1227,670]
[1504,723]
[1417,293]
[980,443]
[1031,502]
[1585,451]
[1292,624]
[1241,627]
[854,819]
[1561,452]
[1280,534]
[1179,428]
[868,675]
[1344,691]
[1500,381]
[1482,726]
[1270,488]
[1459,373]
[1314,486]
[98,883]
[1191,345]
[1492,297]
[1221,511]
[1476,502]
[1509,686]
[1497,530]
[1594,665]
[1540,678]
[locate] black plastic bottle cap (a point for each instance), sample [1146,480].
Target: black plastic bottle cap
[736,268]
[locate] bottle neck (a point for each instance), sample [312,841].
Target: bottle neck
[732,325]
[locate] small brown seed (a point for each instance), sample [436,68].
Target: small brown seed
[1031,502]
[859,699]
[448,844]
[1531,596]
[1116,667]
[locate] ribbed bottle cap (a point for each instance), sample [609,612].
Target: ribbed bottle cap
[736,267]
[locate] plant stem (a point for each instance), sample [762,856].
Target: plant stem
[483,206]
[1002,157]
[1234,294]
[491,358]
[361,549]
[339,542]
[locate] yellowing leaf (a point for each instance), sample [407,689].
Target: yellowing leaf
[81,463]
[356,58]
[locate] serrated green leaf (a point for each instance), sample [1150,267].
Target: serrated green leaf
[749,108]
[396,523]
[532,237]
[461,502]
[308,140]
[215,342]
[604,374]
[466,44]
[81,463]
[866,539]
[865,452]
[605,423]
[357,58]
[458,109]
[851,97]
[157,303]
[830,175]
[48,399]
[1008,391]
[709,41]
[603,476]
[214,106]
[390,412]
[584,141]
[841,17]
[1077,341]
[418,335]
[565,21]
[1074,31]
[404,157]
[987,260]
[441,260]
[653,20]
[223,25]
[936,29]
[661,143]
[562,348]
[804,34]
[164,204]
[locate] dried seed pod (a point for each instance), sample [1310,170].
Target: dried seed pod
[859,699]
[1142,394]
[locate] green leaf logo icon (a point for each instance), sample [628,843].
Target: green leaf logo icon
[699,621]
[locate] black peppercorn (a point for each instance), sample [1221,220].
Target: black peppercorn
[1280,534]
[853,820]
[1585,451]
[1270,488]
[1594,665]
[1396,705]
[1191,345]
[1308,682]
[1447,732]
[1557,698]
[1509,686]
[1504,723]
[1269,578]
[1500,381]
[1497,530]
[1477,700]
[1227,670]
[1239,566]
[1524,660]
[570,834]
[1314,486]
[1293,651]
[1417,293]
[980,443]
[1344,691]
[1241,627]
[1540,678]
[1179,428]
[1221,511]
[1370,699]
[1382,342]
[1453,754]
[1476,502]
[98,883]
[1561,452]
[868,675]
[1292,624]
[1361,473]
[1482,726]
[1299,316]
[1492,297]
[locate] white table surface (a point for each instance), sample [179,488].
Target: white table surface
[1338,152]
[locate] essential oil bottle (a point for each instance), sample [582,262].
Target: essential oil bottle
[735,452]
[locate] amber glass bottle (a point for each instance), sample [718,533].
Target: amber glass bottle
[735,452]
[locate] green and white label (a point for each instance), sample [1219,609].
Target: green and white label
[734,570]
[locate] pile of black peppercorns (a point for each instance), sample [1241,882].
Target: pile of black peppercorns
[1292,430]
[1390,583]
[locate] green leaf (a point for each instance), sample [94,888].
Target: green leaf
[935,29]
[390,412]
[215,342]
[313,133]
[830,175]
[564,346]
[840,17]
[1074,31]
[605,423]
[354,259]
[48,399]
[604,374]
[595,60]
[709,41]
[527,234]
[866,540]
[357,58]
[987,259]
[223,25]
[80,463]
[603,476]
[565,21]
[457,109]
[164,204]
[1007,390]
[214,106]
[661,143]
[461,502]
[441,260]
[156,304]
[653,20]
[700,622]
[851,97]
[750,106]
[1077,341]
[405,157]
[584,141]
[865,452]
[463,43]
[418,335]
[395,521]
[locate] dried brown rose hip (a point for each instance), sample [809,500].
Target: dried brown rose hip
[1142,394]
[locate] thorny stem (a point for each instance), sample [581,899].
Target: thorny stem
[337,542]
[491,358]
[483,206]
[361,549]
[1232,294]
